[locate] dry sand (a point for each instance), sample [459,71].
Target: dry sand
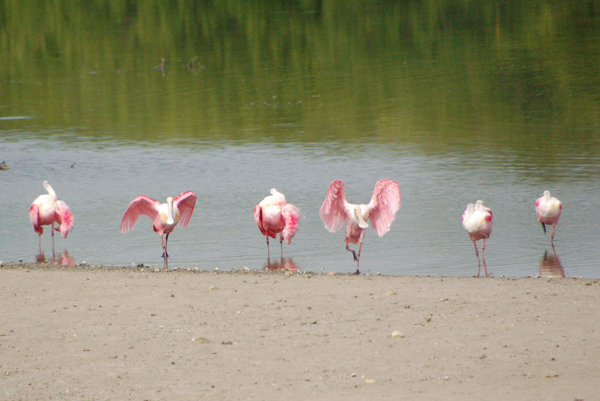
[134,334]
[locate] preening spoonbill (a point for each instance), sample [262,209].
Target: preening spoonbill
[273,215]
[47,210]
[548,211]
[477,220]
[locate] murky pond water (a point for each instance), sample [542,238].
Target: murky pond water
[494,104]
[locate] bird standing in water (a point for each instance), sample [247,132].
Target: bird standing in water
[477,220]
[548,211]
[274,216]
[164,216]
[381,211]
[47,210]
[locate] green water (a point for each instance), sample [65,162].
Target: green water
[516,75]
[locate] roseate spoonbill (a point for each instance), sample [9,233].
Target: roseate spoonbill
[164,216]
[47,210]
[548,211]
[477,220]
[381,211]
[273,215]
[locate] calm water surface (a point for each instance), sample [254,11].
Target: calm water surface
[427,237]
[455,102]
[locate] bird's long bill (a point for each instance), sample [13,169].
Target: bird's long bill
[361,221]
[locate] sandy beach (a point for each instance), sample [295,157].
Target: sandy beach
[95,333]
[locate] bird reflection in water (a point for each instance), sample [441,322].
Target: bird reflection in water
[63,259]
[550,265]
[285,264]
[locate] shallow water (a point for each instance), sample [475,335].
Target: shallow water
[229,179]
[454,102]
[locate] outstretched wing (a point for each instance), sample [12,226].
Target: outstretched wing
[64,218]
[291,215]
[142,205]
[185,203]
[333,211]
[384,205]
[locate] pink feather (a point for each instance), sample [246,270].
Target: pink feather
[273,215]
[34,219]
[384,205]
[142,205]
[333,211]
[47,209]
[165,217]
[291,215]
[381,211]
[185,203]
[64,218]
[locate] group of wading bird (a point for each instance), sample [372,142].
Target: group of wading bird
[273,215]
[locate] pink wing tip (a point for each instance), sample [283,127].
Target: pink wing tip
[291,215]
[67,224]
[258,219]
[332,212]
[65,218]
[384,205]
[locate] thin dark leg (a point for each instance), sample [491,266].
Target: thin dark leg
[362,236]
[544,227]
[478,261]
[52,231]
[268,250]
[483,257]
[281,245]
[353,253]
[164,245]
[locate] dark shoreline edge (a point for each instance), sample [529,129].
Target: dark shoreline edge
[81,267]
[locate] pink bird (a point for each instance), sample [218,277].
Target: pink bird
[381,211]
[548,211]
[477,220]
[164,216]
[273,215]
[47,210]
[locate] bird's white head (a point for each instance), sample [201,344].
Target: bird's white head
[276,193]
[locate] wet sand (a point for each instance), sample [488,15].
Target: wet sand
[98,333]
